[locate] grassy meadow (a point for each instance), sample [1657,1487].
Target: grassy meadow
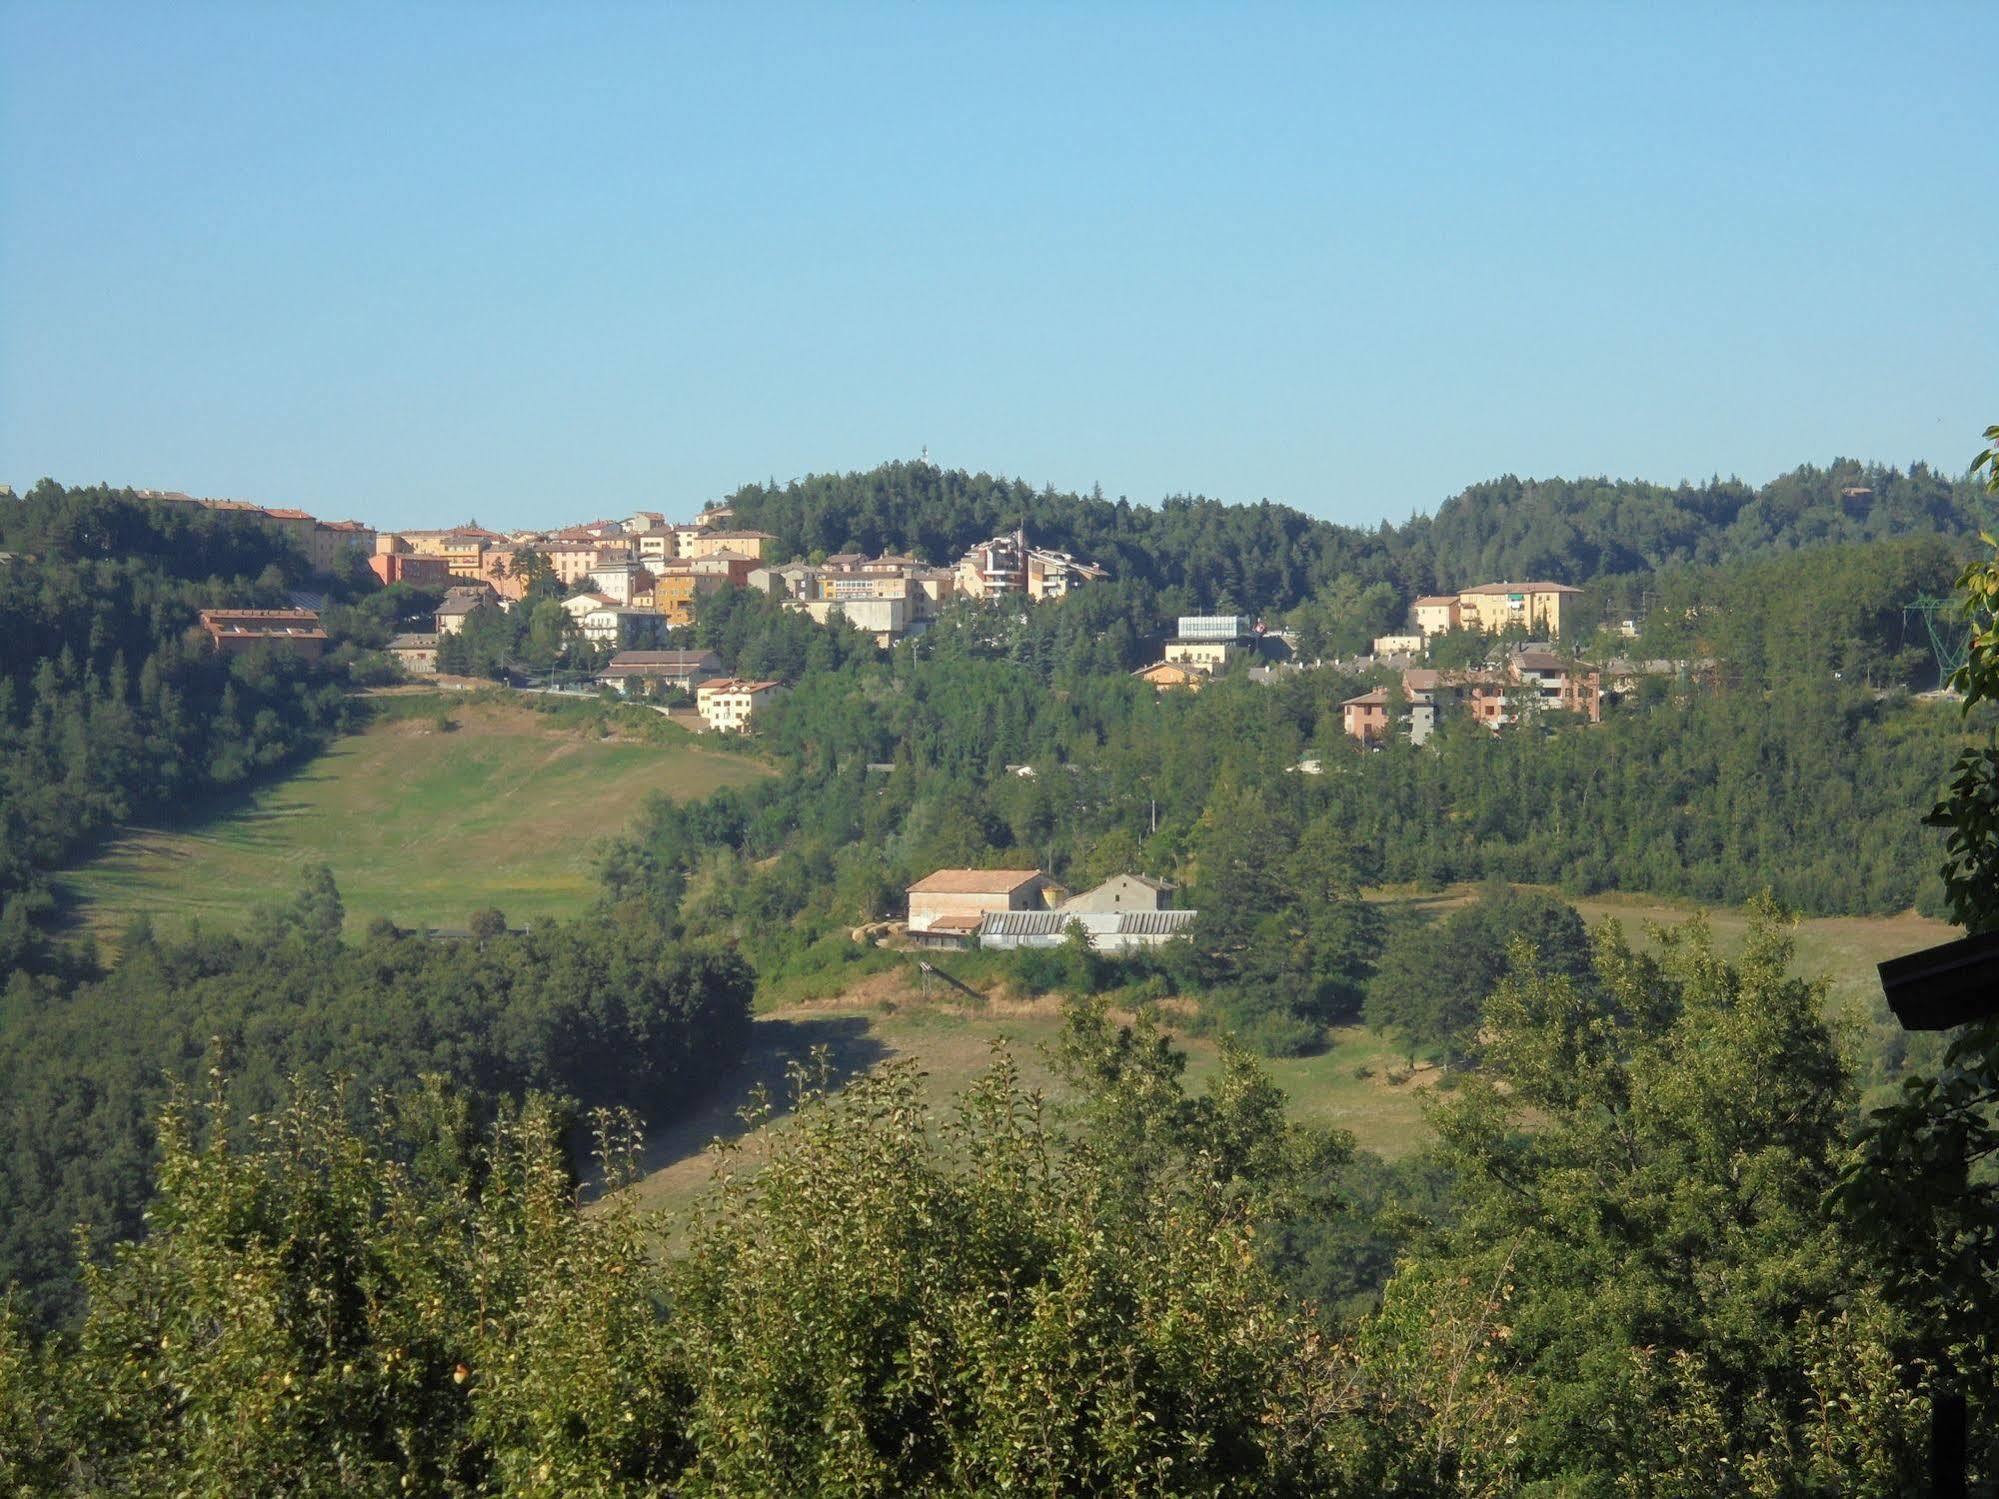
[419,823]
[1359,1083]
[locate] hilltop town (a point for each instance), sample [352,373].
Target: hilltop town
[626,584]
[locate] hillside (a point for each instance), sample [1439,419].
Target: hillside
[1267,557]
[419,825]
[1358,1082]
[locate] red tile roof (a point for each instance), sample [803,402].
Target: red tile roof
[974,881]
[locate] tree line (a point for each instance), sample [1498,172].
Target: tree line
[1266,558]
[599,1012]
[112,704]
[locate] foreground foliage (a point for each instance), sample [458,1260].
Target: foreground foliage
[1926,1191]
[882,1305]
[1639,1293]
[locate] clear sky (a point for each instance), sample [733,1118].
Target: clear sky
[536,262]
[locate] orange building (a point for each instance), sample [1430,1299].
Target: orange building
[234,631]
[406,567]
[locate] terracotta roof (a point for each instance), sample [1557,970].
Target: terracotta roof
[1432,600]
[279,624]
[974,881]
[1544,661]
[966,922]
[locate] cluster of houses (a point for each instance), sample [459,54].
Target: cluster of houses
[1530,679]
[1015,908]
[325,543]
[892,596]
[638,577]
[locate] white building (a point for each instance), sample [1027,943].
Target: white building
[730,705]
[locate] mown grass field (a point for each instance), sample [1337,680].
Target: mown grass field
[1360,1083]
[418,824]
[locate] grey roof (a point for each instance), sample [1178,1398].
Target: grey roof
[666,658]
[1025,923]
[1153,923]
[1108,923]
[413,643]
[460,605]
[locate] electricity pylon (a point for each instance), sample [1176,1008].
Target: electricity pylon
[1949,640]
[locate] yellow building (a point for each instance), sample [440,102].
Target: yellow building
[695,542]
[1538,608]
[1437,614]
[331,541]
[1206,655]
[675,590]
[465,555]
[572,558]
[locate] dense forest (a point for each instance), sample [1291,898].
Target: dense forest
[600,1012]
[1266,558]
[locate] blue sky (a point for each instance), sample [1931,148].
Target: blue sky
[532,262]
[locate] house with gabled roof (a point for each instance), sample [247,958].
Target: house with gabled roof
[629,671]
[947,906]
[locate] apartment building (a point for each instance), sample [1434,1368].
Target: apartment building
[1007,564]
[677,589]
[699,541]
[1532,679]
[407,567]
[1541,609]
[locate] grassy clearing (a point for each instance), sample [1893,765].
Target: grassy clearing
[419,824]
[881,1013]
[886,1015]
[1843,949]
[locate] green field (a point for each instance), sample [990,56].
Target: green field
[1359,1083]
[418,824]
